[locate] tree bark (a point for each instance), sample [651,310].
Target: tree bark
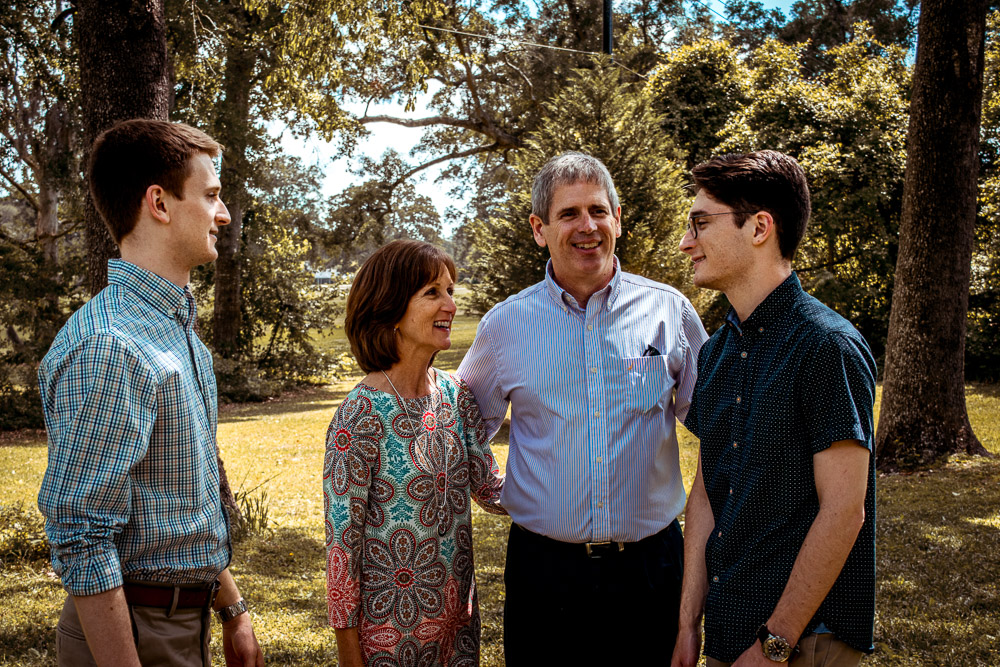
[923,413]
[231,130]
[123,72]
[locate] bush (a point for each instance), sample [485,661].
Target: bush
[255,506]
[22,534]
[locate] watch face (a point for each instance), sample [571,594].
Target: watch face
[776,649]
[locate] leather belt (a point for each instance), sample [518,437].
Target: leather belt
[170,597]
[589,549]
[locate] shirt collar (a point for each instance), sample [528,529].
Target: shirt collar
[770,310]
[155,290]
[564,298]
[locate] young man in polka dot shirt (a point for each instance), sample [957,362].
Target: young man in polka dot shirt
[779,536]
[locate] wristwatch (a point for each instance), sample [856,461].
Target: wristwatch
[775,648]
[232,611]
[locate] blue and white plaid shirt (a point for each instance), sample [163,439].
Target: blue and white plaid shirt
[132,485]
[594,393]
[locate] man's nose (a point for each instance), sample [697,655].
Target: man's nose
[587,222]
[687,241]
[223,218]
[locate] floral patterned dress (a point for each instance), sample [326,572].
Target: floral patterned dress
[399,522]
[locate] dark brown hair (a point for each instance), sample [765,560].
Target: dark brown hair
[760,181]
[135,154]
[380,293]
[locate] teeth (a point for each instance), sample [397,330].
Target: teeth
[443,324]
[587,246]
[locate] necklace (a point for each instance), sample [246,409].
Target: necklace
[444,491]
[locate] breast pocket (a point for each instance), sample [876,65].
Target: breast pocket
[640,384]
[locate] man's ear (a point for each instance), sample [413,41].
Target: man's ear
[155,203]
[536,229]
[763,227]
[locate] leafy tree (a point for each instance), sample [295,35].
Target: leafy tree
[982,348]
[122,52]
[846,127]
[598,113]
[923,400]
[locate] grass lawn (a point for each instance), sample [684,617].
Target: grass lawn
[938,540]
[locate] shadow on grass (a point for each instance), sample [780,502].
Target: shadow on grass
[304,400]
[23,438]
[938,534]
[33,643]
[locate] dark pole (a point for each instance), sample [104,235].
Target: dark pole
[608,24]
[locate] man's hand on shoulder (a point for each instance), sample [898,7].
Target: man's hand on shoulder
[240,643]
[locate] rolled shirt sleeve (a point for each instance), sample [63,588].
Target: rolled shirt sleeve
[100,410]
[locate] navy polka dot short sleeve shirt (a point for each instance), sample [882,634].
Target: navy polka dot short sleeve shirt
[773,391]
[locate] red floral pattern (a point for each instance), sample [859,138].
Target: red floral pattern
[399,530]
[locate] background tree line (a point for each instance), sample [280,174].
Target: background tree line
[830,83]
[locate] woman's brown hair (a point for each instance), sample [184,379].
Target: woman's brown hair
[380,293]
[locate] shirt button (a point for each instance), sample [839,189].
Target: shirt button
[599,504]
[738,399]
[590,327]
[715,578]
[730,492]
[596,413]
[761,330]
[735,445]
[599,459]
[720,533]
[743,354]
[593,369]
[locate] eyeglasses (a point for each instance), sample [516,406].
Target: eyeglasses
[695,221]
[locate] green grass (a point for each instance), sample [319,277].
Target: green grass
[938,540]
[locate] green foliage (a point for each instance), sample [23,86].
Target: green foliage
[255,508]
[22,534]
[697,88]
[600,114]
[847,127]
[982,347]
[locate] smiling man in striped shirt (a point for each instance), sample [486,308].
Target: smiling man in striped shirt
[596,365]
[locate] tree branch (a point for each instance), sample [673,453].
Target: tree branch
[17,186]
[451,156]
[422,122]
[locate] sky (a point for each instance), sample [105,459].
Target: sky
[382,136]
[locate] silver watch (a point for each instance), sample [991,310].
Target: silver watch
[232,611]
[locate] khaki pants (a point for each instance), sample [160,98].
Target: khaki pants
[823,650]
[181,640]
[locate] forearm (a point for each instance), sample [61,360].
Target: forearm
[841,481]
[108,627]
[823,554]
[349,648]
[228,593]
[698,524]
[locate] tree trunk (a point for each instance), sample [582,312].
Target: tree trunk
[123,72]
[923,413]
[231,130]
[52,159]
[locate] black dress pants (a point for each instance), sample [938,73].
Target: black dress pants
[563,607]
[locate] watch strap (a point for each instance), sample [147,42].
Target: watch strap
[232,611]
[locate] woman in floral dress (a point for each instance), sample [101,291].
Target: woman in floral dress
[404,452]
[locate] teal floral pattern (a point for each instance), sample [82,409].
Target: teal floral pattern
[396,496]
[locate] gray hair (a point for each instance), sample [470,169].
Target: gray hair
[568,168]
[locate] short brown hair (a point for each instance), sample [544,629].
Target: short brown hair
[380,293]
[760,181]
[135,154]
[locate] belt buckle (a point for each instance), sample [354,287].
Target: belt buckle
[608,543]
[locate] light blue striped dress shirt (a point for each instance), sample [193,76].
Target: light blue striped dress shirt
[593,444]
[132,485]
